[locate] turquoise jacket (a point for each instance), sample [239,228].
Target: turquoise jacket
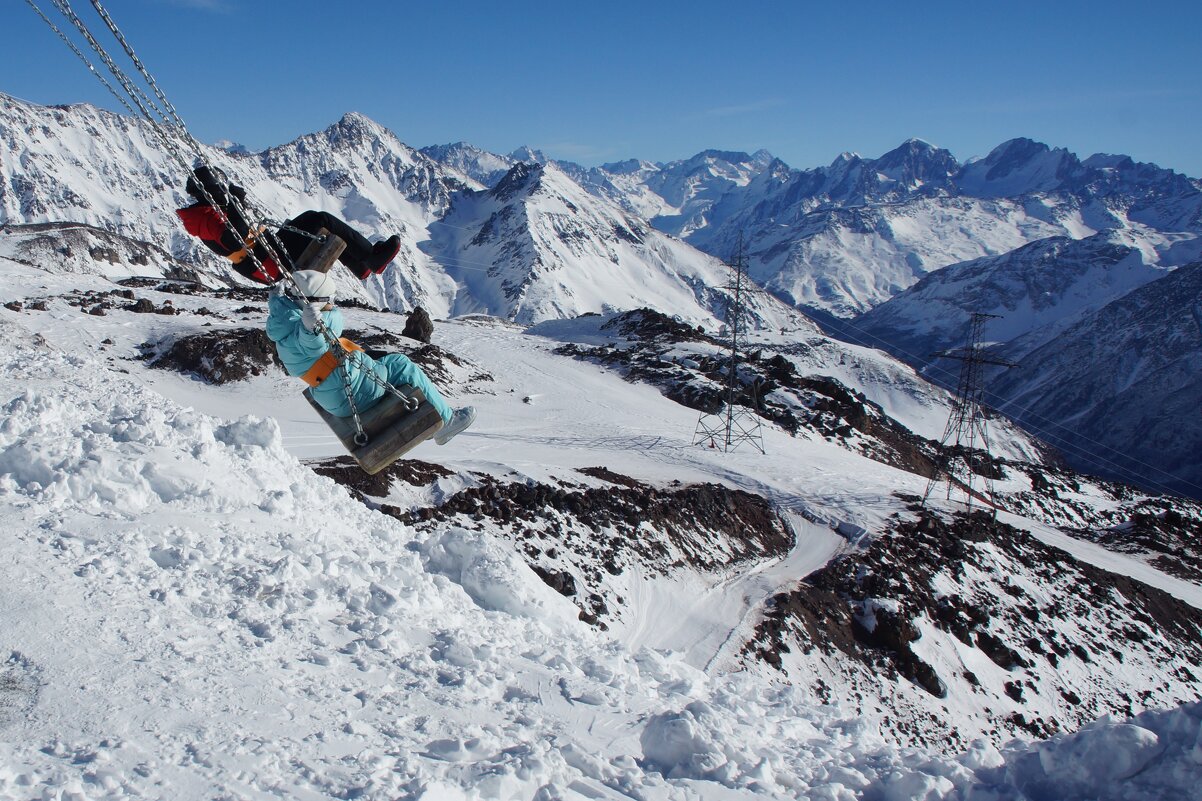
[298,348]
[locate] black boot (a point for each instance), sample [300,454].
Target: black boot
[382,254]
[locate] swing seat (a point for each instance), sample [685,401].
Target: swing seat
[321,252]
[392,430]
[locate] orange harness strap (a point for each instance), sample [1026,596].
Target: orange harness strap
[327,363]
[238,255]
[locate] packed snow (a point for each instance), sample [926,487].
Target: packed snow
[191,612]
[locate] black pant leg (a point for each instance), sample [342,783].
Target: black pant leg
[293,244]
[357,246]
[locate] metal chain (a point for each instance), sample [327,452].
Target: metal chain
[139,97]
[82,57]
[283,226]
[173,148]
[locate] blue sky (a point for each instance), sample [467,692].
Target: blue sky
[610,80]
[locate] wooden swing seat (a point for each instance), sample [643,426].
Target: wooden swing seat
[320,254]
[392,430]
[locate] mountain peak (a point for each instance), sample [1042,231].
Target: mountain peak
[762,156]
[1018,148]
[628,166]
[733,156]
[527,153]
[356,119]
[354,127]
[1017,167]
[916,163]
[231,147]
[522,177]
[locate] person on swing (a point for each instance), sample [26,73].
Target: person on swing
[294,329]
[207,222]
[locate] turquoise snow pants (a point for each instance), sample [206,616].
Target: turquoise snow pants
[402,371]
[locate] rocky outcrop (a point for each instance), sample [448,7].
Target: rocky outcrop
[1061,641]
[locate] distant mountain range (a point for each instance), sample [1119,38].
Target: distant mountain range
[895,251]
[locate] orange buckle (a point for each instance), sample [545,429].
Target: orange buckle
[238,255]
[327,363]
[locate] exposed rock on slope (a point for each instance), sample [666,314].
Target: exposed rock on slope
[1008,634]
[575,535]
[691,368]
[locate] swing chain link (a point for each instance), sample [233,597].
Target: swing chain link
[169,119]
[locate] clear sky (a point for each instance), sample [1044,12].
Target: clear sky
[612,79]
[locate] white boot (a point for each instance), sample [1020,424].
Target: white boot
[460,420]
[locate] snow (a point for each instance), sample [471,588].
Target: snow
[707,618]
[222,622]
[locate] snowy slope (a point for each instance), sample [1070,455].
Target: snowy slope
[481,166]
[1103,335]
[224,621]
[845,261]
[1118,390]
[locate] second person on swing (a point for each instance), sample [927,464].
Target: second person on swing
[207,221]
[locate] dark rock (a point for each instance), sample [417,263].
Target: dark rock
[419,326]
[605,474]
[108,254]
[559,580]
[649,324]
[217,357]
[1002,655]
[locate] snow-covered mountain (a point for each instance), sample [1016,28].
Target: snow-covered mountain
[1035,291]
[678,197]
[1105,347]
[847,237]
[844,238]
[537,246]
[501,255]
[481,166]
[1118,390]
[81,164]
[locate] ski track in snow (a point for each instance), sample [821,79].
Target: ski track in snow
[191,613]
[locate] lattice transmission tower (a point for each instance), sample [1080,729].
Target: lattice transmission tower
[734,424]
[964,460]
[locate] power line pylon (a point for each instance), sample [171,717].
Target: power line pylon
[733,425]
[964,450]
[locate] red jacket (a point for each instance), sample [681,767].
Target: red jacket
[209,225]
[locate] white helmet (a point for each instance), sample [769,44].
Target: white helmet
[316,285]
